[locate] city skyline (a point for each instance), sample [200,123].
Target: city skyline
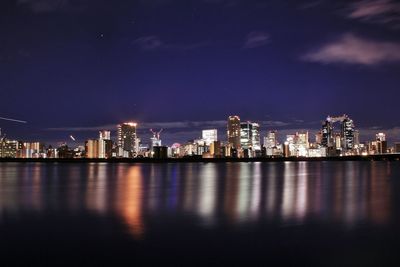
[71,65]
[338,136]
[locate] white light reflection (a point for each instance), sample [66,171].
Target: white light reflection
[288,200]
[272,190]
[255,191]
[301,195]
[207,194]
[243,197]
[129,200]
[96,197]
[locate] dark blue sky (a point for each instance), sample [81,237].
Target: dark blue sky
[75,66]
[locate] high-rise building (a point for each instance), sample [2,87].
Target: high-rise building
[104,135]
[127,139]
[380,137]
[270,140]
[356,138]
[233,131]
[347,133]
[246,135]
[318,137]
[255,136]
[381,143]
[92,148]
[210,136]
[8,148]
[105,144]
[327,134]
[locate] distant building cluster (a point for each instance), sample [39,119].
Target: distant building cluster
[337,137]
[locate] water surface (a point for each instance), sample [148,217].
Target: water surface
[318,213]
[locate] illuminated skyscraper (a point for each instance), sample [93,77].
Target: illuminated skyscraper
[92,148]
[210,136]
[234,131]
[356,138]
[380,137]
[246,135]
[381,143]
[255,136]
[270,140]
[347,134]
[105,144]
[127,138]
[8,148]
[327,134]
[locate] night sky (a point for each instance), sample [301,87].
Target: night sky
[76,66]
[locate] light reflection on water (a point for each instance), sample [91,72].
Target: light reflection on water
[214,194]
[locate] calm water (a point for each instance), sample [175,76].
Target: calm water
[318,213]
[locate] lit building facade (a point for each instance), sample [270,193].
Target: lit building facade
[233,131]
[327,134]
[255,136]
[8,148]
[210,136]
[246,135]
[105,144]
[92,148]
[347,134]
[128,141]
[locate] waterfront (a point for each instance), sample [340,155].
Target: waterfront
[323,213]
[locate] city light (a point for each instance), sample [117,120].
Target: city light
[337,137]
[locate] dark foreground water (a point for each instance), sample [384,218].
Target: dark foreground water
[293,213]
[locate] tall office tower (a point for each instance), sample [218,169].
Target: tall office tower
[8,148]
[234,131]
[380,137]
[255,136]
[347,133]
[104,135]
[127,138]
[302,139]
[92,148]
[338,141]
[210,136]
[246,135]
[356,138]
[327,134]
[318,137]
[270,140]
[105,144]
[381,143]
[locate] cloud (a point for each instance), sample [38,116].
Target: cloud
[351,49]
[171,125]
[256,39]
[150,42]
[153,42]
[376,11]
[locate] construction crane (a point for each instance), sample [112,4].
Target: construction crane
[156,135]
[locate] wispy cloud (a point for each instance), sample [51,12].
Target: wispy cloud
[351,49]
[174,125]
[153,42]
[150,42]
[256,39]
[376,11]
